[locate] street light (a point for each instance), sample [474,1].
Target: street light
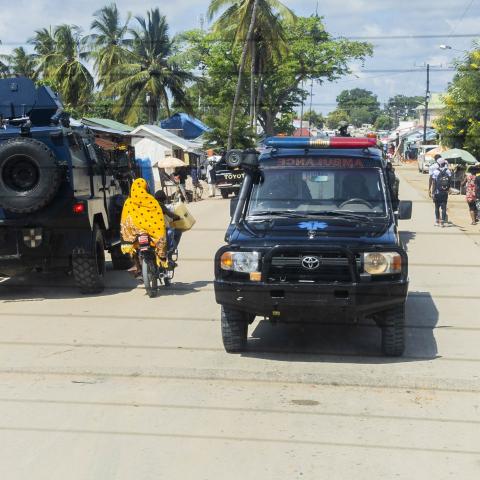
[449,47]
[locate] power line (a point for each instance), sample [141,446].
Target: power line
[467,8]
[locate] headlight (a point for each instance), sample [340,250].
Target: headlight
[383,263]
[243,262]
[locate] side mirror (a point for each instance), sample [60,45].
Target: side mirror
[233,205]
[405,210]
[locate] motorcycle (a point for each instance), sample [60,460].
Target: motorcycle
[154,275]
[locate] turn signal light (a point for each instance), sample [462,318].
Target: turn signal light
[79,208]
[226,261]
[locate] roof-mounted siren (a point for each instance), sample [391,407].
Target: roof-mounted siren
[319,143]
[242,158]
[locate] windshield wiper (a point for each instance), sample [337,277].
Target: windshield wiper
[277,213]
[347,215]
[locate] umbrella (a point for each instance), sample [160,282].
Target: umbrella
[170,162]
[435,151]
[456,154]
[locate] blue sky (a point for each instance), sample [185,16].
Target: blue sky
[371,18]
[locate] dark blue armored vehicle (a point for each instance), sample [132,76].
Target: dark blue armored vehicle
[60,196]
[314,236]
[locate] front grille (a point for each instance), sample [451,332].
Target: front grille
[325,268]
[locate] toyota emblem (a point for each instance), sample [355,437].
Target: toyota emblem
[310,263]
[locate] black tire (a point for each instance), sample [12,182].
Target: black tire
[29,175]
[234,330]
[150,278]
[225,193]
[89,267]
[120,261]
[393,332]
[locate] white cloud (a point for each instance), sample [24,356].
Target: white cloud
[373,18]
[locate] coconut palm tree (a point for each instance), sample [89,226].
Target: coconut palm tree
[44,45]
[149,77]
[74,80]
[20,63]
[254,22]
[108,42]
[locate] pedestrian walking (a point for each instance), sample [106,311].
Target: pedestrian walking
[212,176]
[470,184]
[440,187]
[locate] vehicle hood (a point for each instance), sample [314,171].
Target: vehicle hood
[313,232]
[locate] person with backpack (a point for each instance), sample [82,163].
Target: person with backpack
[439,190]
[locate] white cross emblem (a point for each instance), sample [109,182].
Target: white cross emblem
[33,238]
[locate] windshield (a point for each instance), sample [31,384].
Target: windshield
[318,191]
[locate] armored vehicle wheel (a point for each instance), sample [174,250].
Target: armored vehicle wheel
[234,330]
[29,175]
[393,332]
[89,267]
[119,260]
[224,193]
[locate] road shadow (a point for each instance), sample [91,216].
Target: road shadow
[337,341]
[57,286]
[181,289]
[406,236]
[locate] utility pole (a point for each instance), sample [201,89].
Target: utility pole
[310,115]
[427,99]
[301,110]
[148,100]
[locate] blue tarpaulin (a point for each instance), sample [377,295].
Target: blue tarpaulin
[190,126]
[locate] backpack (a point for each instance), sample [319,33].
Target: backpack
[443,181]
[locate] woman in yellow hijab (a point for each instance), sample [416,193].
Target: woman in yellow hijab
[142,214]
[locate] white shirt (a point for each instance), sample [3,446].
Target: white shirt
[434,167]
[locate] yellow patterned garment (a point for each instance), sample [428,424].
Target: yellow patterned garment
[142,214]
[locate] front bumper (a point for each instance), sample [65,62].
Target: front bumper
[348,291]
[286,301]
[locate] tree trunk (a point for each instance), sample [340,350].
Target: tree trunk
[258,102]
[240,74]
[269,123]
[252,84]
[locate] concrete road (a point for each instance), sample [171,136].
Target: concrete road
[118,386]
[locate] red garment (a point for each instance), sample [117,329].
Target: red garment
[471,189]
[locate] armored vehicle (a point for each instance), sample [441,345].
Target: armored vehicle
[314,237]
[60,196]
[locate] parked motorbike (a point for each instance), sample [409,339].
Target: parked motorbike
[152,274]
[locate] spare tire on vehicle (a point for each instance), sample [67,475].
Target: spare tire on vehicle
[29,175]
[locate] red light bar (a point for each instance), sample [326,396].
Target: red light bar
[349,142]
[332,142]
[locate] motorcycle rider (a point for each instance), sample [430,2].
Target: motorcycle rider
[141,215]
